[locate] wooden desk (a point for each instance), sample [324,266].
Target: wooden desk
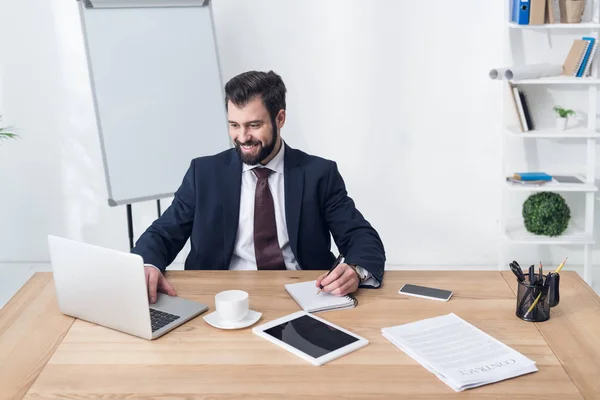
[45,355]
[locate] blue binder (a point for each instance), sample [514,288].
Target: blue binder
[520,12]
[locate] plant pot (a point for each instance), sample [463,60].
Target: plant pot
[561,123]
[573,10]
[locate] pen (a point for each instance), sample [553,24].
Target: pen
[531,275]
[530,283]
[337,262]
[539,295]
[516,269]
[540,275]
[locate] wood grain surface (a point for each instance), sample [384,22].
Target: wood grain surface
[198,361]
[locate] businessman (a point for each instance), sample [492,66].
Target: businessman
[263,205]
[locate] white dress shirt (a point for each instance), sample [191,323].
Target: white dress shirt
[243,257]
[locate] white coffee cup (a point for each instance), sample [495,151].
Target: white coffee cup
[232,305]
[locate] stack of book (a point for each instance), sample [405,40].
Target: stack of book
[579,59]
[530,178]
[539,178]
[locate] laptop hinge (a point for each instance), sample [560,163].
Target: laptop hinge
[142,3]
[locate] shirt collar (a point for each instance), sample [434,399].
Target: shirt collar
[276,164]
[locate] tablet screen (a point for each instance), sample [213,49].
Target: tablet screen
[311,336]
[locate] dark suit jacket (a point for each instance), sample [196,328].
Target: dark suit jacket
[206,207]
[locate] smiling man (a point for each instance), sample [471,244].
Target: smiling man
[263,205]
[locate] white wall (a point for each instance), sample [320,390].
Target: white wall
[396,92]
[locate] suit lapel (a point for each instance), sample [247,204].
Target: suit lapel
[231,184]
[294,186]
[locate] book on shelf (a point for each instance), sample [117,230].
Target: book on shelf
[587,71]
[540,178]
[532,176]
[538,12]
[586,55]
[529,178]
[524,183]
[580,57]
[526,111]
[521,108]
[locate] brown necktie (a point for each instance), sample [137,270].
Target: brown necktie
[266,247]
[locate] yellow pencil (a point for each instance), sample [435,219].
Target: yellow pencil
[539,295]
[561,265]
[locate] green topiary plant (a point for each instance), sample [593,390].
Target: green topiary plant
[546,213]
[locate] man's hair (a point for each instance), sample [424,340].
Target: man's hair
[268,85]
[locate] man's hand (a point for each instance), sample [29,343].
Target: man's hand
[155,280]
[341,281]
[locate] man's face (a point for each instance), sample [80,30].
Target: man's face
[252,132]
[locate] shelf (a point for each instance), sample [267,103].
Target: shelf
[573,133]
[583,25]
[554,186]
[523,49]
[572,235]
[557,80]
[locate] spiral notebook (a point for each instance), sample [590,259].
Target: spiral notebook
[575,57]
[305,294]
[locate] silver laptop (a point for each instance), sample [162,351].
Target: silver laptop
[108,287]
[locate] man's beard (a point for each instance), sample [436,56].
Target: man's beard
[264,152]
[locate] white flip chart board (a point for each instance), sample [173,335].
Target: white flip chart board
[158,94]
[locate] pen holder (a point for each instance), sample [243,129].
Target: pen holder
[527,295]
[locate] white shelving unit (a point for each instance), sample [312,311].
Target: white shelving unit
[579,233]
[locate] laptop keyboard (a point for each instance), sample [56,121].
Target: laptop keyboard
[160,318]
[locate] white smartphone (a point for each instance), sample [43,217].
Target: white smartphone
[425,292]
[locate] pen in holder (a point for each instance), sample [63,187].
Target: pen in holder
[535,300]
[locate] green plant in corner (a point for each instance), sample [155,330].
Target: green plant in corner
[5,134]
[563,112]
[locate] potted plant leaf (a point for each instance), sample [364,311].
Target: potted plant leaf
[562,115]
[6,134]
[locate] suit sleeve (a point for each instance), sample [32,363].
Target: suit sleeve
[354,236]
[164,239]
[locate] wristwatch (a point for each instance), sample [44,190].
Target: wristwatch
[360,272]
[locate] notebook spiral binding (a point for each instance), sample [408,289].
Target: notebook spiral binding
[350,296]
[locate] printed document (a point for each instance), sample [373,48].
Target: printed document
[458,353]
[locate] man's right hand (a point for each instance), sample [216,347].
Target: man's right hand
[155,280]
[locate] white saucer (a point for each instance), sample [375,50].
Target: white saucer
[251,318]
